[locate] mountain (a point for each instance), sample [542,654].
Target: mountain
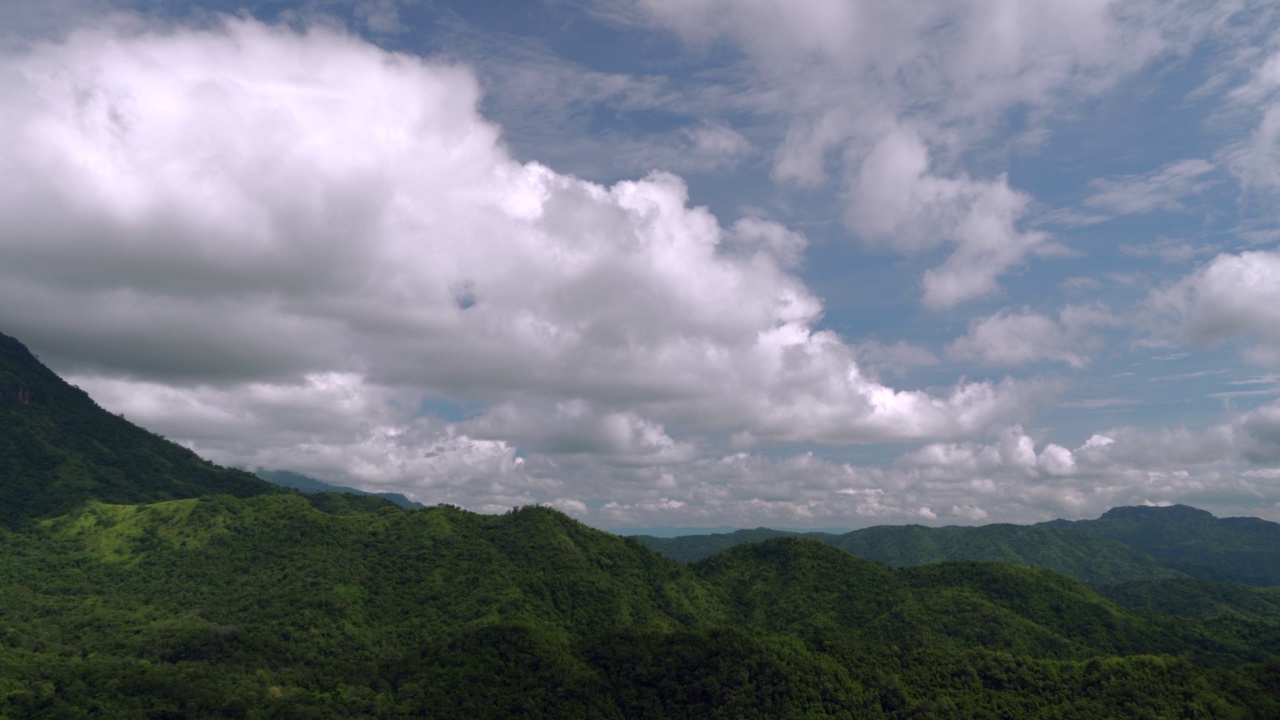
[309,485]
[1188,597]
[1126,544]
[58,449]
[1192,541]
[1079,555]
[267,606]
[691,548]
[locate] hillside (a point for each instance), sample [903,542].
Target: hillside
[59,449]
[221,606]
[1192,541]
[1085,557]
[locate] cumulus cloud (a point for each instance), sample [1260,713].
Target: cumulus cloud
[1012,476]
[896,201]
[1233,297]
[1009,338]
[236,234]
[1018,476]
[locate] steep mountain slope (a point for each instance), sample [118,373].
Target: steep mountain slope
[1192,541]
[59,449]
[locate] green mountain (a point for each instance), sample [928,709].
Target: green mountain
[310,486]
[1079,555]
[1188,597]
[1192,541]
[691,548]
[1084,557]
[269,607]
[59,449]
[1126,544]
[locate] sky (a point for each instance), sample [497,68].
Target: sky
[689,263]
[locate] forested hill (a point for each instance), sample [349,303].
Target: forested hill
[268,607]
[1192,541]
[1126,544]
[59,449]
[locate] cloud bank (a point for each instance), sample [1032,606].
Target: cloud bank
[277,245]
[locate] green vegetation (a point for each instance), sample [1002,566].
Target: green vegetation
[1194,542]
[1125,545]
[270,607]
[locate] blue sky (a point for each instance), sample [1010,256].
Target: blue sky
[801,263]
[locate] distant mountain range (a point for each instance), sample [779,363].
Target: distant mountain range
[1125,544]
[304,484]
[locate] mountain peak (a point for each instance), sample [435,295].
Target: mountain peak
[1167,513]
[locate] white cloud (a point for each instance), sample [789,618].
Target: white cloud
[1170,250]
[718,144]
[236,234]
[1255,160]
[1234,296]
[901,95]
[895,200]
[1009,338]
[1160,190]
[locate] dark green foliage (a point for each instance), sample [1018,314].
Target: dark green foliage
[1194,542]
[267,607]
[1083,557]
[59,449]
[1197,598]
[336,503]
[691,548]
[1124,545]
[805,588]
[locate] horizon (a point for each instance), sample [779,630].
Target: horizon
[653,264]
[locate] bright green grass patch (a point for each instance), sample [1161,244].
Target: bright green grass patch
[119,533]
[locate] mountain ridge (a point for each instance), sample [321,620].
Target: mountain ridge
[59,449]
[1125,544]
